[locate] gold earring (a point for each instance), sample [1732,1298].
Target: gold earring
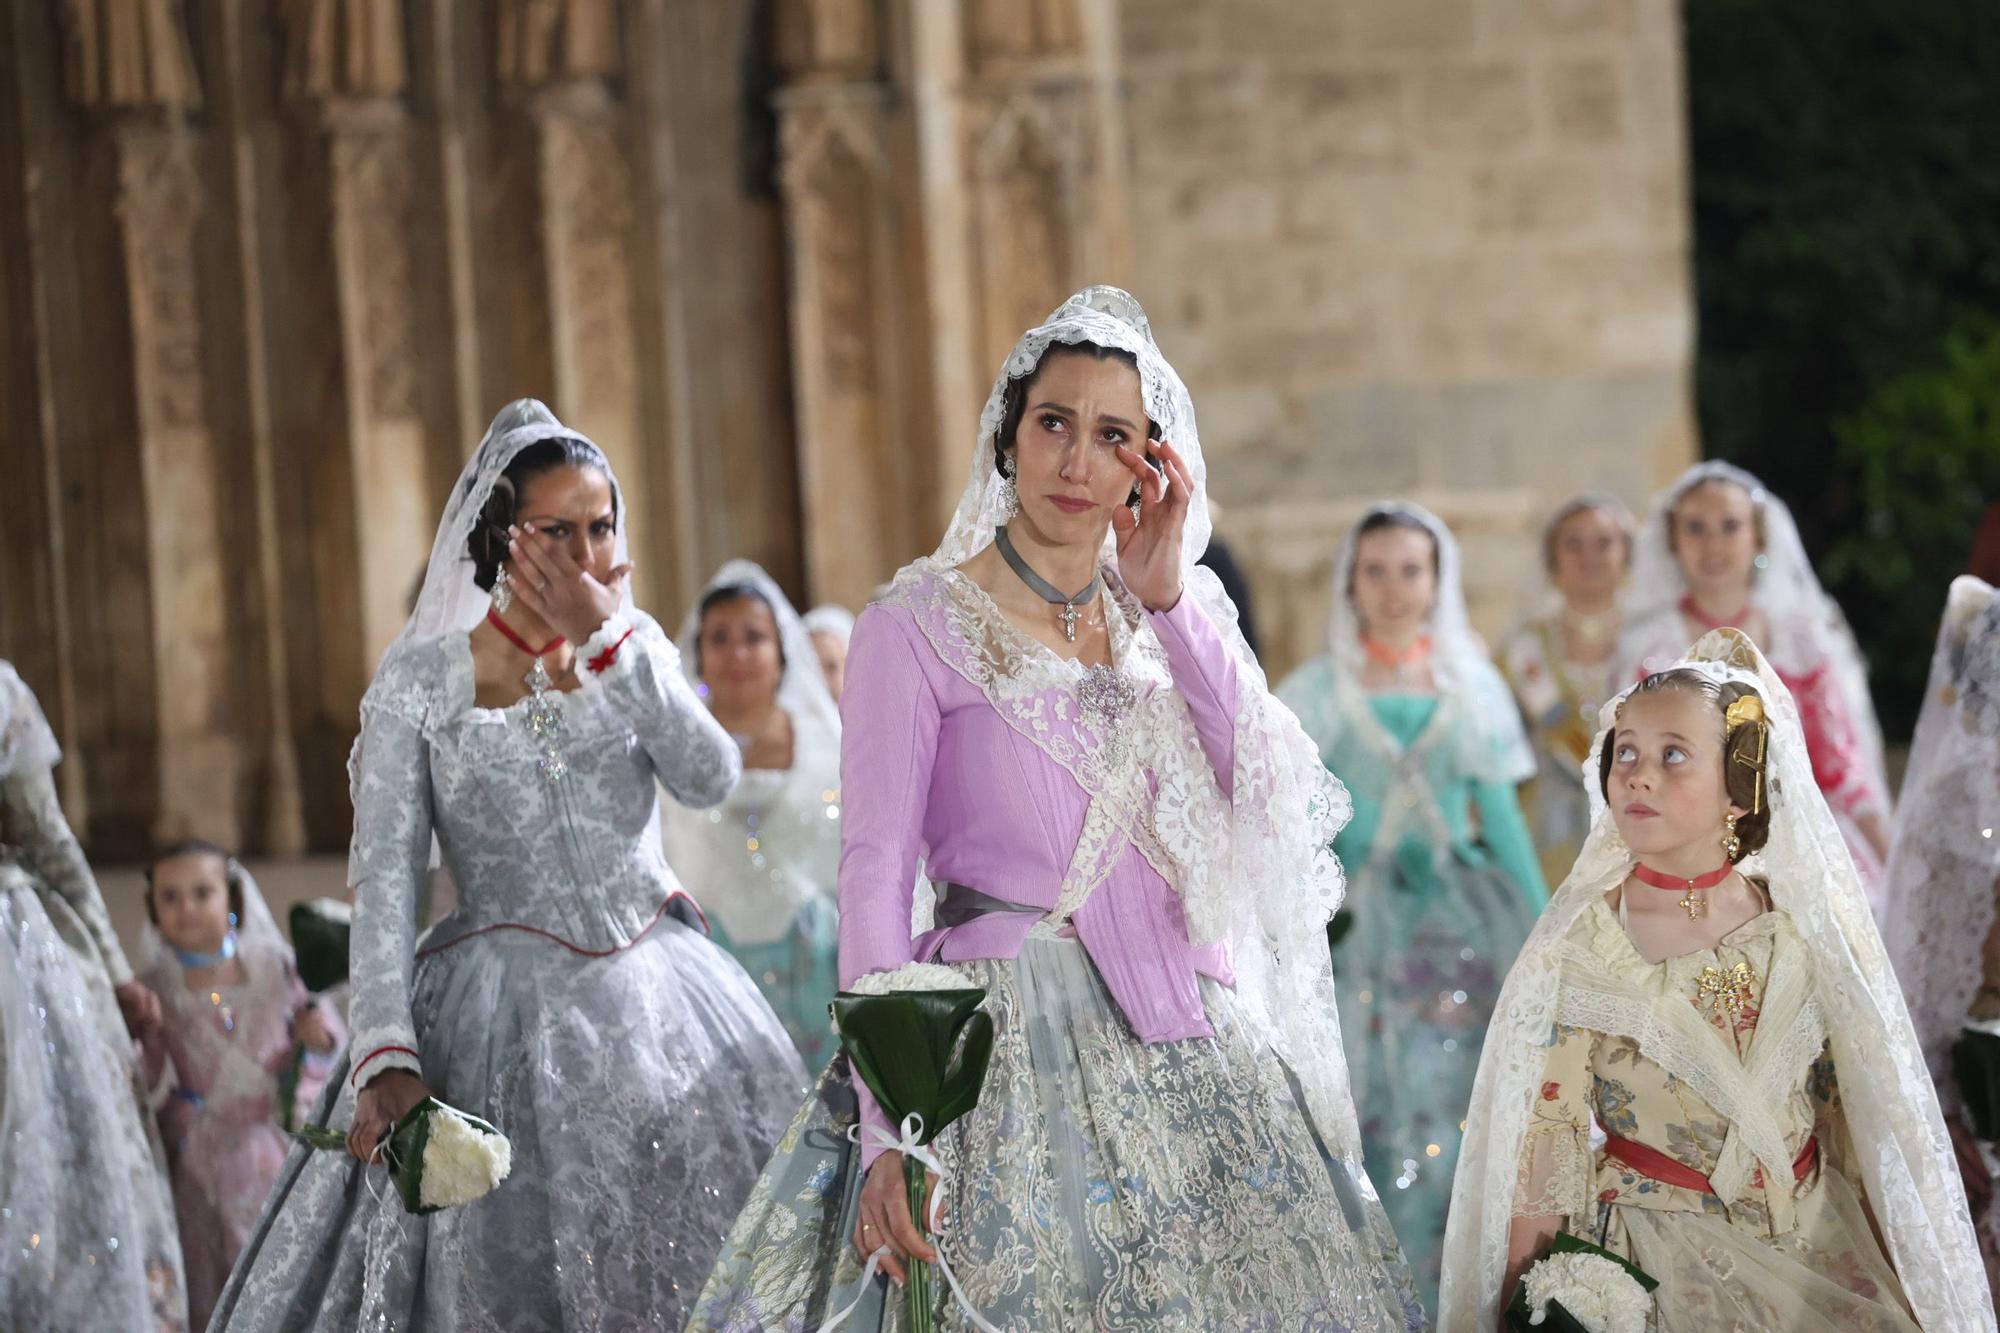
[1732,845]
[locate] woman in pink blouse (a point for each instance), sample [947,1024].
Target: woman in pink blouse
[1129,843]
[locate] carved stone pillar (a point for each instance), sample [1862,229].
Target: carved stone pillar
[1043,161]
[559,59]
[850,350]
[129,69]
[200,749]
[354,413]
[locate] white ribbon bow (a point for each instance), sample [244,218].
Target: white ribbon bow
[913,1127]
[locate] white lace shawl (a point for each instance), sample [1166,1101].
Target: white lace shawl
[1946,856]
[1267,879]
[1904,1158]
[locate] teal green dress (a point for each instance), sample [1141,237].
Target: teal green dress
[1443,887]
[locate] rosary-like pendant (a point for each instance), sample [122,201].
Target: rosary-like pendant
[1069,614]
[1696,908]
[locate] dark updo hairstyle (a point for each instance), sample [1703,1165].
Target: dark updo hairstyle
[1744,775]
[198,847]
[487,545]
[1382,518]
[1014,404]
[734,592]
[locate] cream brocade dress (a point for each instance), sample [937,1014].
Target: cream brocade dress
[1738,1020]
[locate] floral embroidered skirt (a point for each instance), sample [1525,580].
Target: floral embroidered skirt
[1101,1183]
[642,1092]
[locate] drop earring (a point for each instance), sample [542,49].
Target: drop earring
[503,591]
[1732,845]
[1010,499]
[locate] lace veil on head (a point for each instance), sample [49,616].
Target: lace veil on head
[830,619]
[802,689]
[1783,584]
[258,939]
[1495,743]
[450,602]
[1906,1161]
[1807,630]
[1945,865]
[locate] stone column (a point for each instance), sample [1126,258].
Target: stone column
[129,69]
[560,60]
[841,202]
[1043,162]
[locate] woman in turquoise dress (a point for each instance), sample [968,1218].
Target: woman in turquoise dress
[1444,883]
[763,862]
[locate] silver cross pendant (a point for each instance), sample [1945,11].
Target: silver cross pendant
[1069,614]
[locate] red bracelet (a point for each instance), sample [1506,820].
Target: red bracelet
[602,662]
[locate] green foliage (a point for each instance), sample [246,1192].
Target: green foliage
[1847,220]
[1925,454]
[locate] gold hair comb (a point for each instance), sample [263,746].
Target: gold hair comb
[1750,708]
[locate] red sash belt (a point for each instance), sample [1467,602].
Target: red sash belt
[1656,1165]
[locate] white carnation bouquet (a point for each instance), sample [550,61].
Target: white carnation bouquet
[437,1155]
[1581,1288]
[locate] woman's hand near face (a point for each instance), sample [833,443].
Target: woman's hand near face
[1149,546]
[567,597]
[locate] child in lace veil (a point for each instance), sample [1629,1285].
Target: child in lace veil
[1736,1036]
[249,1051]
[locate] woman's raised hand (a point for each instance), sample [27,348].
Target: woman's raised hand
[1149,545]
[567,597]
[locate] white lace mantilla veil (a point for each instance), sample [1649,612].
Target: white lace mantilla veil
[1904,1157]
[1946,858]
[1495,746]
[1264,875]
[450,602]
[802,690]
[1807,628]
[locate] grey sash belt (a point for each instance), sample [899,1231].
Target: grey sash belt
[960,903]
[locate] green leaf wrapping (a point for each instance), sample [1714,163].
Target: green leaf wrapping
[921,1053]
[319,940]
[1975,1063]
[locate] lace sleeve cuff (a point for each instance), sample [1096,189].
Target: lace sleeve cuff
[1556,1171]
[607,654]
[382,1058]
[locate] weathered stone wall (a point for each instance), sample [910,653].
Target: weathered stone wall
[1427,248]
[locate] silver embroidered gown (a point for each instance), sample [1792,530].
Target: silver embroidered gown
[87,1234]
[572,998]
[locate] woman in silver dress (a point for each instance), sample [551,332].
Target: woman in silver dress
[572,997]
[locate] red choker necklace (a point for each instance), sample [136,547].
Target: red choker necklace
[507,633]
[1389,657]
[1705,620]
[1696,908]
